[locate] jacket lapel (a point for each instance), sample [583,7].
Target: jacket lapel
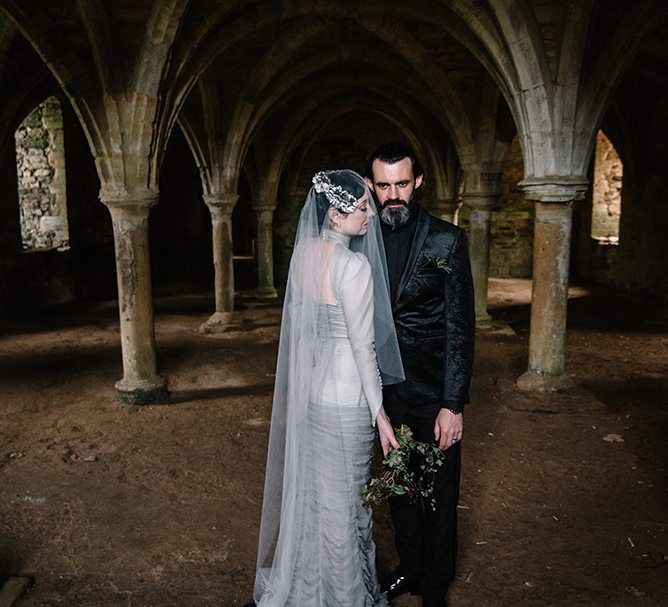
[421,231]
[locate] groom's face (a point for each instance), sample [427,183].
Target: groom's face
[394,185]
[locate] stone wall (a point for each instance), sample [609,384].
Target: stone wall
[638,262]
[637,126]
[85,271]
[511,248]
[607,191]
[40,163]
[181,233]
[511,237]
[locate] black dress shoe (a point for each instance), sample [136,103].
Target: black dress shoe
[251,604]
[433,602]
[398,585]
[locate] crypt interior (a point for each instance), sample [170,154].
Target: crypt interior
[154,156]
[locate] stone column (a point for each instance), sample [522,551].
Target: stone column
[446,209]
[265,250]
[480,221]
[140,384]
[551,255]
[221,207]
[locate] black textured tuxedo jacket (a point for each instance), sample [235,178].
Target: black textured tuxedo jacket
[435,321]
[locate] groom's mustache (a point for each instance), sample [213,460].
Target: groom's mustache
[395,201]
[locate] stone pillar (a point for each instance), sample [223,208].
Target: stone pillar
[221,207]
[551,255]
[265,250]
[446,209]
[140,384]
[480,221]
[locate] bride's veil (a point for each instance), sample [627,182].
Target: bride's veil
[302,363]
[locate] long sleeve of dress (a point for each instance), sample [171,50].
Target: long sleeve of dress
[355,295]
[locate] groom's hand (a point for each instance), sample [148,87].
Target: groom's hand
[448,428]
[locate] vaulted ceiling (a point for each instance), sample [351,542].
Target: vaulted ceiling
[257,80]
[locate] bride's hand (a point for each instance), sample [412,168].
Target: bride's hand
[386,432]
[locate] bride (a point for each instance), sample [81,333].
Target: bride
[337,347]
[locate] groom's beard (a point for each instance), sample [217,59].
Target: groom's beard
[397,216]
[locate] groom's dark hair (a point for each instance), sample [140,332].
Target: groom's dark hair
[391,153]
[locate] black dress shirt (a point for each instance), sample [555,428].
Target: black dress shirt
[397,244]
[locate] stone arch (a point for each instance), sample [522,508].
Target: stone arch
[125,131]
[33,89]
[7,34]
[63,62]
[327,108]
[197,142]
[312,91]
[122,114]
[612,64]
[309,133]
[235,144]
[210,47]
[532,84]
[491,144]
[413,54]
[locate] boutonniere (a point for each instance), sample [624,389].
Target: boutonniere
[442,264]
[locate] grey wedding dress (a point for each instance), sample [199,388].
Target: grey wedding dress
[316,548]
[336,555]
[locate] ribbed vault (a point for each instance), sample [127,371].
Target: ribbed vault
[253,84]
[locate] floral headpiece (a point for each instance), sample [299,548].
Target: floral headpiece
[339,198]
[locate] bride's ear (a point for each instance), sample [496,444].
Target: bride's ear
[334,216]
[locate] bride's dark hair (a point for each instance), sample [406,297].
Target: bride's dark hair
[347,181]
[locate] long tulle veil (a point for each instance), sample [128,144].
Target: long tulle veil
[303,344]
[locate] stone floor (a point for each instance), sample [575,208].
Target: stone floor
[563,499]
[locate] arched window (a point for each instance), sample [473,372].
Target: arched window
[40,166]
[607,193]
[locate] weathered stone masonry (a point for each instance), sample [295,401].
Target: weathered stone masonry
[256,93]
[40,167]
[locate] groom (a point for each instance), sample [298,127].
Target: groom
[432,298]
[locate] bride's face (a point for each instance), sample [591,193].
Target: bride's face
[357,222]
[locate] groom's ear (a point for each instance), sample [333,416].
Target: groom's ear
[369,184]
[418,181]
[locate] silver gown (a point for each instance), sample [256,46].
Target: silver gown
[332,557]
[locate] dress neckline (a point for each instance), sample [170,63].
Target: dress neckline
[332,235]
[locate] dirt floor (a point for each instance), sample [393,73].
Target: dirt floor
[563,500]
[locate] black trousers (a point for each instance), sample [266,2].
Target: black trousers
[426,540]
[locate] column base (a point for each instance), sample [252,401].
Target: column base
[14,588]
[142,392]
[266,293]
[567,402]
[533,382]
[483,322]
[220,322]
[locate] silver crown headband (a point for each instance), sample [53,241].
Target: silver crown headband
[339,198]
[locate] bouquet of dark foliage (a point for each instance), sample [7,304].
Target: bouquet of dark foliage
[408,470]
